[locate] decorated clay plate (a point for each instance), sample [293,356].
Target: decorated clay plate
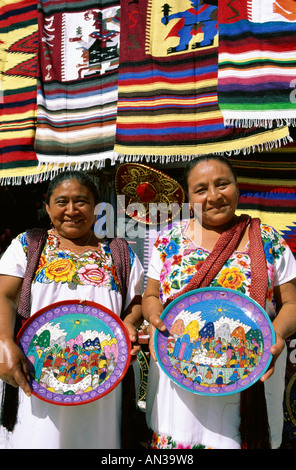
[217,341]
[77,352]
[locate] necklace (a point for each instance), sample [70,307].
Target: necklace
[71,284]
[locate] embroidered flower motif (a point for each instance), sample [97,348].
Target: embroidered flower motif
[166,269]
[268,252]
[163,441]
[231,278]
[163,256]
[269,295]
[51,240]
[166,288]
[93,275]
[154,441]
[200,252]
[174,273]
[94,256]
[172,248]
[198,265]
[266,228]
[243,264]
[183,446]
[177,259]
[60,270]
[189,270]
[42,262]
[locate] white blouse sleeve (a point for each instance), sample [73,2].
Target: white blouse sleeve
[14,260]
[285,268]
[155,265]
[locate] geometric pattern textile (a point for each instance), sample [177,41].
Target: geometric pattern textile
[18,93]
[77,87]
[167,85]
[267,190]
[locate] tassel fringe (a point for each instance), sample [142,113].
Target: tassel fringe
[265,123]
[165,159]
[48,170]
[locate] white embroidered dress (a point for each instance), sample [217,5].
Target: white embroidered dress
[94,425]
[179,418]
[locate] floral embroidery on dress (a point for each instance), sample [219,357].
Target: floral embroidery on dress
[162,441]
[181,258]
[93,267]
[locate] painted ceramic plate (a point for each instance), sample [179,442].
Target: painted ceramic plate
[217,341]
[77,352]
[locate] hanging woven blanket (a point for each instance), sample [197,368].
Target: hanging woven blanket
[18,89]
[267,190]
[167,85]
[257,61]
[77,82]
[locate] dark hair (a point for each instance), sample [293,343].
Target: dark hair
[80,176]
[206,158]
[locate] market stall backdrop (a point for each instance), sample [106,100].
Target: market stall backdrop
[77,90]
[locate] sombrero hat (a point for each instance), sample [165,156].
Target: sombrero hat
[150,196]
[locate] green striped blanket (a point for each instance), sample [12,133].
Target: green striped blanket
[257,62]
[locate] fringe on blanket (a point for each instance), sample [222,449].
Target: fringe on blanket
[48,171]
[165,159]
[265,123]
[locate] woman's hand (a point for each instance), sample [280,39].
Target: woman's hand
[284,323]
[14,368]
[152,310]
[133,336]
[133,320]
[154,322]
[275,350]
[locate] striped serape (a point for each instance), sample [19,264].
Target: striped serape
[77,84]
[167,85]
[267,190]
[257,62]
[18,88]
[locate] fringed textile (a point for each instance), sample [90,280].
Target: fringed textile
[77,86]
[18,87]
[257,62]
[167,85]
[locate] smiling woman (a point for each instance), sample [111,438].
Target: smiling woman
[70,204]
[73,265]
[232,252]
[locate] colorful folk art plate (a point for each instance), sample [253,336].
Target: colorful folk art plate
[217,341]
[77,352]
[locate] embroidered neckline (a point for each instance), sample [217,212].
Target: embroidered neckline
[54,244]
[184,226]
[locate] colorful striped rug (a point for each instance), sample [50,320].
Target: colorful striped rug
[18,88]
[267,190]
[167,85]
[77,87]
[257,61]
